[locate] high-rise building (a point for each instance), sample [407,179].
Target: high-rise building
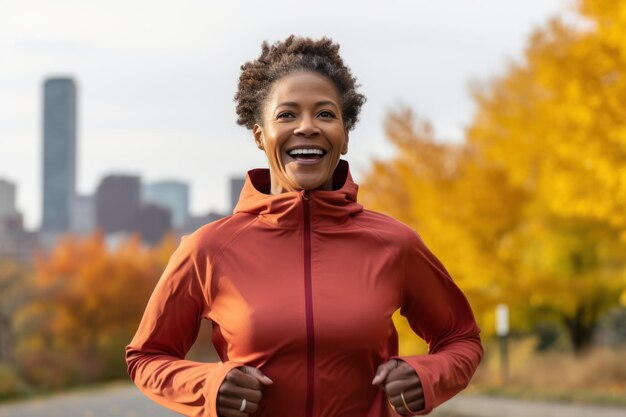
[236,185]
[59,153]
[83,214]
[10,219]
[15,243]
[118,202]
[154,222]
[173,195]
[7,199]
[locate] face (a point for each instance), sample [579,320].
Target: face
[302,132]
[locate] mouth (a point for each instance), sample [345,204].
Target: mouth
[306,154]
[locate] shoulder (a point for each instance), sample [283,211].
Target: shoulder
[211,238]
[390,230]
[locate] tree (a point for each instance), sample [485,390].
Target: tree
[15,291]
[460,204]
[556,126]
[88,303]
[531,208]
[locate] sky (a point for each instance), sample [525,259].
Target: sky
[156,78]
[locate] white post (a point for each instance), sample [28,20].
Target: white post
[502,330]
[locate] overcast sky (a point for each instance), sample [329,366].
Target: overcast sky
[156,78]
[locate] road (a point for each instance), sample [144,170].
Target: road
[119,400]
[124,400]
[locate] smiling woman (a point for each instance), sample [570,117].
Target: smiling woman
[301,281]
[302,132]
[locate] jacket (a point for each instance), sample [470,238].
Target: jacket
[302,285]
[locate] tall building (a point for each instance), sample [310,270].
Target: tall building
[118,203]
[155,221]
[59,153]
[173,195]
[236,185]
[10,219]
[83,214]
[15,243]
[7,199]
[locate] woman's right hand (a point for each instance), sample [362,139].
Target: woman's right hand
[244,382]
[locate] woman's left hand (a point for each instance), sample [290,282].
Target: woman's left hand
[402,385]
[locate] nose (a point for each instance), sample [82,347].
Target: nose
[307,126]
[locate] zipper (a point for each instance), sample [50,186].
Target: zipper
[308,299]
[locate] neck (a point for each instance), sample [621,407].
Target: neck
[280,187]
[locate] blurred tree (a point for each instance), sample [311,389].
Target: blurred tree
[460,204]
[531,209]
[89,302]
[556,120]
[555,125]
[15,290]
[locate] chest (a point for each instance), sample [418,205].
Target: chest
[275,291]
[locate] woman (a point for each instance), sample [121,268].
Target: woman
[301,282]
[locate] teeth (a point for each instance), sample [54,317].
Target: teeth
[306,152]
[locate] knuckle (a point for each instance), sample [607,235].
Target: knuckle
[256,396]
[253,382]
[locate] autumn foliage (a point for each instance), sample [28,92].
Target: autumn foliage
[530,209]
[74,312]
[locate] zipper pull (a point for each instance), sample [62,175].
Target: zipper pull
[305,195]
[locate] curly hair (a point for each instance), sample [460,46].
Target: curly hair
[289,56]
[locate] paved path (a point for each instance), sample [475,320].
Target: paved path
[119,400]
[476,406]
[124,400]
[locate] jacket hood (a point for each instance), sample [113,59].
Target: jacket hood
[328,207]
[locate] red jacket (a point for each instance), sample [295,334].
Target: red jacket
[302,285]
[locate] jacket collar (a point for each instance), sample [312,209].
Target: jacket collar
[285,210]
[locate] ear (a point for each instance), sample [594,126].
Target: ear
[344,148]
[259,138]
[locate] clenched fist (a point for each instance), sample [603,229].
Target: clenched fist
[402,386]
[240,393]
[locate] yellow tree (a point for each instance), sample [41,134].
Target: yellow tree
[459,202]
[556,120]
[555,124]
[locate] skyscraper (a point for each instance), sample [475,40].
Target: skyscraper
[118,203]
[10,218]
[154,222]
[7,198]
[83,214]
[173,195]
[59,153]
[236,185]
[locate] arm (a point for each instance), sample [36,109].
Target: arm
[438,312]
[168,329]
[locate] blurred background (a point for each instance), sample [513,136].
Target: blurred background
[496,129]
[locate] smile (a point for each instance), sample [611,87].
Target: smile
[307,154]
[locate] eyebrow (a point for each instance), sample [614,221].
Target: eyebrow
[317,104]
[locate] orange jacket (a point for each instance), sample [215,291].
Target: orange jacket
[302,285]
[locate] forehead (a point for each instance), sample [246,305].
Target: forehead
[303,87]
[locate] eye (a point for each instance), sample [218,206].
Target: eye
[326,114]
[285,115]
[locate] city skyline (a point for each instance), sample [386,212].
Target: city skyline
[157,88]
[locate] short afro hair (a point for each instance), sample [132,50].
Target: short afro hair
[292,55]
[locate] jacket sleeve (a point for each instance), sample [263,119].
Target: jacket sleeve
[169,327]
[439,313]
